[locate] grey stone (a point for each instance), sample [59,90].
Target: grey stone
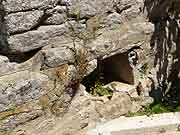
[113,19]
[24,5]
[56,19]
[33,64]
[58,56]
[23,21]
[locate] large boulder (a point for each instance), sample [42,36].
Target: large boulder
[37,38]
[126,36]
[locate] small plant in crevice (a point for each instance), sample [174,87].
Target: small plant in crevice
[144,68]
[94,83]
[80,55]
[81,64]
[99,90]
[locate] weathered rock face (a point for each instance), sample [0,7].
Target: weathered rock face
[164,43]
[65,40]
[19,95]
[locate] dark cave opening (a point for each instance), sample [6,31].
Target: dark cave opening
[114,68]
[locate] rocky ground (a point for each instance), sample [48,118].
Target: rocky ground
[48,47]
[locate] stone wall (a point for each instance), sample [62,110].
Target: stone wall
[39,43]
[36,24]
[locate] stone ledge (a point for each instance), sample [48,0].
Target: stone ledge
[141,125]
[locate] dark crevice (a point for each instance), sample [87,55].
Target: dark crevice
[3,30]
[44,24]
[78,18]
[87,17]
[43,18]
[20,57]
[109,12]
[135,48]
[25,10]
[123,9]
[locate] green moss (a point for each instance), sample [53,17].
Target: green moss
[159,109]
[154,109]
[177,109]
